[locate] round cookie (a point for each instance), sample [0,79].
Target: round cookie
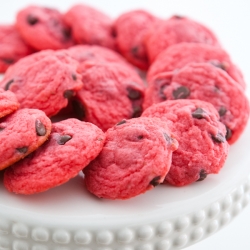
[12,47]
[83,53]
[111,92]
[206,82]
[8,103]
[131,29]
[71,146]
[203,148]
[135,158]
[175,30]
[43,28]
[179,55]
[21,133]
[44,80]
[90,26]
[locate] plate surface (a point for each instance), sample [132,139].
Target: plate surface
[68,217]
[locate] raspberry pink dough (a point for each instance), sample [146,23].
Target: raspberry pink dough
[135,158]
[21,133]
[111,92]
[8,103]
[175,30]
[90,26]
[202,144]
[131,29]
[12,47]
[208,83]
[179,55]
[43,28]
[44,80]
[71,146]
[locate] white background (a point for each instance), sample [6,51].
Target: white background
[229,19]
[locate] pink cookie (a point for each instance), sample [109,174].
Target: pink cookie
[12,47]
[205,82]
[90,26]
[44,80]
[21,133]
[131,29]
[71,146]
[43,28]
[8,103]
[111,92]
[203,148]
[135,158]
[179,55]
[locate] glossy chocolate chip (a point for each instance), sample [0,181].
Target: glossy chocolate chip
[74,77]
[220,138]
[121,122]
[137,111]
[7,86]
[68,94]
[222,111]
[133,94]
[8,60]
[63,139]
[40,128]
[79,109]
[229,133]
[203,175]
[155,181]
[32,20]
[181,93]
[199,113]
[22,150]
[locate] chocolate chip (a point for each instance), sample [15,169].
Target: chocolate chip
[63,139]
[178,17]
[167,138]
[181,93]
[133,94]
[198,113]
[68,94]
[140,137]
[22,150]
[1,129]
[32,20]
[40,128]
[222,111]
[203,175]
[121,122]
[74,77]
[155,181]
[137,111]
[66,33]
[221,65]
[79,109]
[229,133]
[7,86]
[219,138]
[134,50]
[8,60]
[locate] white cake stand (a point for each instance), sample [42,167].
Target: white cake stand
[69,218]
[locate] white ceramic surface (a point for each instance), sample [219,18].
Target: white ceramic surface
[69,218]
